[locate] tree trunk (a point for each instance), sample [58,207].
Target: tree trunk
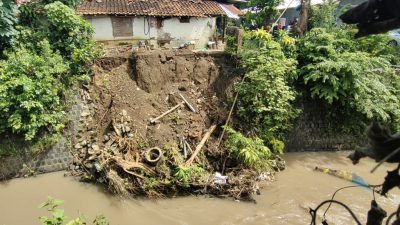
[302,26]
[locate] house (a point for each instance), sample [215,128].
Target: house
[159,22]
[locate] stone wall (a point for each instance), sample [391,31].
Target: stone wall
[56,159]
[311,131]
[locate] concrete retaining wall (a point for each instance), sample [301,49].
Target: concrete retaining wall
[312,132]
[56,159]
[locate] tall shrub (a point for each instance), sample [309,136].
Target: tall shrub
[70,34]
[335,71]
[30,91]
[265,97]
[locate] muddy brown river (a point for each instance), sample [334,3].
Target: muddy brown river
[285,201]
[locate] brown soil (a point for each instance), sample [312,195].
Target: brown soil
[128,92]
[149,84]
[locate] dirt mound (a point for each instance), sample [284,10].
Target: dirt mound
[121,135]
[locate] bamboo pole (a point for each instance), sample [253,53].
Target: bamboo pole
[201,144]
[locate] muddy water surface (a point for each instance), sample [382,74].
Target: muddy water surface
[282,202]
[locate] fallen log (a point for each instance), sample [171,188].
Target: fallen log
[200,145]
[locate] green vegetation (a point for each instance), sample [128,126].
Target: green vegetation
[51,49]
[190,174]
[250,151]
[266,97]
[356,80]
[30,99]
[58,216]
[352,78]
[231,46]
[266,12]
[7,23]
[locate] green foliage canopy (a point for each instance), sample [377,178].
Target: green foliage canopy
[45,58]
[7,23]
[30,91]
[266,12]
[250,151]
[266,97]
[336,71]
[70,34]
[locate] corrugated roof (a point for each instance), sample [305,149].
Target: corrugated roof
[194,8]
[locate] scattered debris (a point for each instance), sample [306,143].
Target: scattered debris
[219,179]
[201,144]
[167,112]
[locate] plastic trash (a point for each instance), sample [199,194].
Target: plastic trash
[219,179]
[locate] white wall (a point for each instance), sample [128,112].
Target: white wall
[102,27]
[198,29]
[141,29]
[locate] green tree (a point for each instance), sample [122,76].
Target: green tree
[265,97]
[324,15]
[266,12]
[71,35]
[30,91]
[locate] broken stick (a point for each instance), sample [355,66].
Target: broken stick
[187,103]
[167,112]
[201,144]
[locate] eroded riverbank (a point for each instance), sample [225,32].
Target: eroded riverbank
[282,202]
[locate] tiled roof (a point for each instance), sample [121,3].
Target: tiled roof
[233,9]
[194,8]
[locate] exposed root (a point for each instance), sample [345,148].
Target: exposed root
[116,183]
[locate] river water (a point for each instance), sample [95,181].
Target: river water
[284,201]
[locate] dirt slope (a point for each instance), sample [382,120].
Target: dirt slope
[127,93]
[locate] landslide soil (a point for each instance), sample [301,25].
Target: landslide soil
[126,93]
[148,84]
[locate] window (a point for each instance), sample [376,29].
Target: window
[122,26]
[184,19]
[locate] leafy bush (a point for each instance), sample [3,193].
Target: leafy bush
[265,97]
[190,174]
[30,98]
[7,23]
[231,46]
[334,71]
[288,44]
[324,15]
[250,151]
[377,45]
[71,35]
[58,216]
[36,73]
[319,45]
[277,146]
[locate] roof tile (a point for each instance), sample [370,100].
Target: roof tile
[195,8]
